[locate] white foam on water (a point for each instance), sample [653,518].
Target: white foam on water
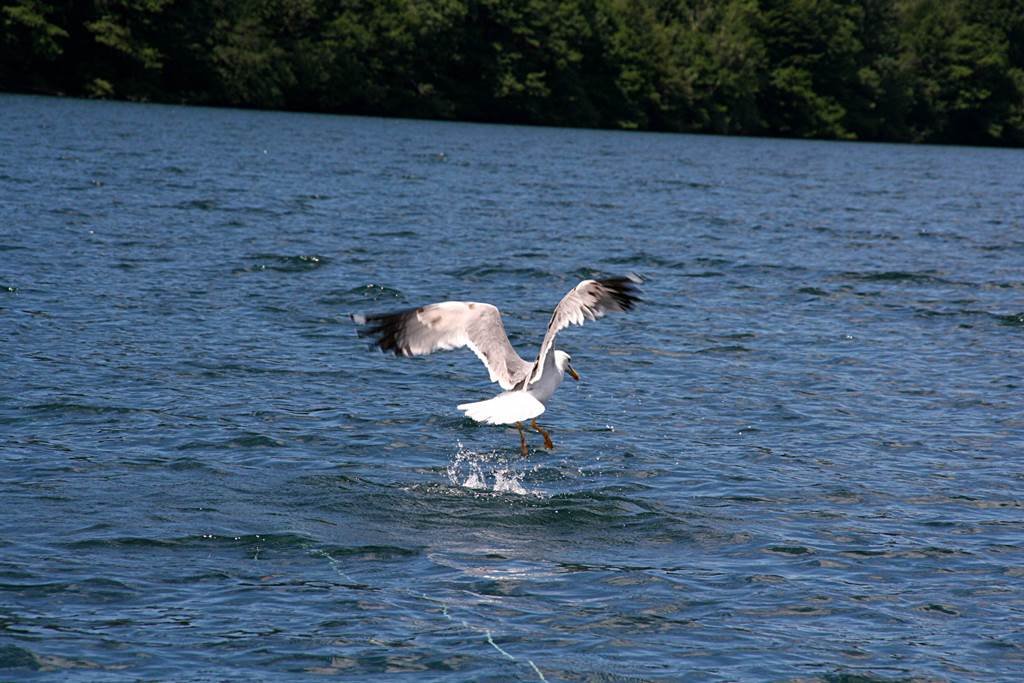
[475,480]
[486,472]
[506,481]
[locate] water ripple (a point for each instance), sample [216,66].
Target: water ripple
[798,459]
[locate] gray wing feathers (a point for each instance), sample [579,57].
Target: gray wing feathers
[450,325]
[589,300]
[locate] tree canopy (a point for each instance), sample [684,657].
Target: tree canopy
[947,71]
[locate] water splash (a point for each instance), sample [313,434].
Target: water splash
[492,471]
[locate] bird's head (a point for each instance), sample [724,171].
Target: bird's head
[563,362]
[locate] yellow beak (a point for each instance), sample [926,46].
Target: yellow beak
[572,373]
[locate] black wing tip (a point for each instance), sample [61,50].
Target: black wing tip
[623,282]
[385,329]
[623,289]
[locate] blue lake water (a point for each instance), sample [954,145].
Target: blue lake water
[801,459]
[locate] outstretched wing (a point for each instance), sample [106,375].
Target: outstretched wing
[449,325]
[589,300]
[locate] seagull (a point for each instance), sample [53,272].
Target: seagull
[528,386]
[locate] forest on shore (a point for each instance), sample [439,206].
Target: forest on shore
[945,71]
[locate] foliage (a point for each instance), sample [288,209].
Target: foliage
[913,70]
[30,43]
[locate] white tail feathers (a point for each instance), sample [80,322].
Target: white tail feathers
[504,409]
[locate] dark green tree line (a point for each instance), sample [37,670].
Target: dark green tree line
[901,70]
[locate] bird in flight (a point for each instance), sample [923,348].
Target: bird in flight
[528,385]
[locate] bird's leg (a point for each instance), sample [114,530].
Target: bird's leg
[522,439]
[547,437]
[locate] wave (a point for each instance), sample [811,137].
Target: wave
[281,263]
[897,276]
